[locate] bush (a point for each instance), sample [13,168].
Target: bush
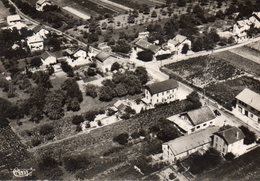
[135,135]
[145,55]
[35,142]
[3,122]
[122,139]
[77,119]
[115,66]
[172,176]
[229,156]
[46,129]
[91,90]
[75,163]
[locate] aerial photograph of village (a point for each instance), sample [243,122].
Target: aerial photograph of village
[116,90]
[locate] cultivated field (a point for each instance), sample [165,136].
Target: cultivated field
[244,168]
[203,70]
[135,4]
[239,62]
[3,11]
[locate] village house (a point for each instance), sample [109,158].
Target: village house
[143,44]
[194,120]
[247,103]
[35,43]
[13,19]
[104,47]
[184,146]
[41,31]
[79,53]
[176,44]
[240,30]
[161,92]
[144,34]
[40,4]
[228,140]
[48,58]
[105,60]
[18,26]
[255,19]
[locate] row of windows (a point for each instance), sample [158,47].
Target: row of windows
[204,125]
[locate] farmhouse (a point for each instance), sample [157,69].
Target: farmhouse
[194,120]
[176,44]
[105,60]
[228,140]
[240,29]
[248,104]
[161,92]
[13,19]
[41,31]
[19,25]
[79,53]
[183,146]
[40,4]
[35,43]
[143,44]
[48,58]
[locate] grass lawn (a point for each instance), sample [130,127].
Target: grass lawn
[203,70]
[243,168]
[239,62]
[225,92]
[4,12]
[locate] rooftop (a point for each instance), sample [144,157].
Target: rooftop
[102,56]
[42,1]
[178,39]
[35,38]
[185,143]
[46,54]
[201,115]
[250,97]
[37,28]
[231,135]
[162,86]
[15,17]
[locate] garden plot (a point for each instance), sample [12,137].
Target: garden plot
[77,13]
[203,70]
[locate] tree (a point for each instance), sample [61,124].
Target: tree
[185,48]
[54,105]
[77,119]
[121,46]
[46,129]
[181,3]
[197,45]
[73,105]
[42,79]
[250,136]
[67,68]
[115,66]
[91,90]
[142,74]
[122,139]
[154,14]
[36,62]
[120,90]
[106,93]
[229,156]
[3,122]
[75,163]
[71,89]
[145,55]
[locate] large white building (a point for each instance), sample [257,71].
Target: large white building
[48,58]
[248,104]
[40,4]
[161,92]
[184,146]
[41,31]
[176,44]
[228,140]
[195,120]
[35,43]
[13,19]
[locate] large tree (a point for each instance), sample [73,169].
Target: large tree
[71,89]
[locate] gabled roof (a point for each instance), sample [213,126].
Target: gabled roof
[144,44]
[102,56]
[34,39]
[189,142]
[231,135]
[15,17]
[201,115]
[154,48]
[250,97]
[178,39]
[46,55]
[162,86]
[37,28]
[40,2]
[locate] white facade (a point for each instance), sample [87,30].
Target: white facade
[41,4]
[13,19]
[49,61]
[177,43]
[43,33]
[161,97]
[80,54]
[35,43]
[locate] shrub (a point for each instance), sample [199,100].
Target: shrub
[145,55]
[46,129]
[250,136]
[75,163]
[115,66]
[122,139]
[135,135]
[3,122]
[172,176]
[77,119]
[229,156]
[35,142]
[91,90]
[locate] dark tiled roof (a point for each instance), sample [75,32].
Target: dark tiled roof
[201,115]
[46,54]
[231,135]
[162,86]
[102,56]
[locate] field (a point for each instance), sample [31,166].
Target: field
[203,70]
[239,62]
[3,11]
[135,4]
[244,168]
[225,92]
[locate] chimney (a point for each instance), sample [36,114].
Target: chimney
[237,134]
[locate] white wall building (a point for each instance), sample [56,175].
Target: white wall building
[228,140]
[176,44]
[80,54]
[40,4]
[35,43]
[248,104]
[161,92]
[184,146]
[41,31]
[48,58]
[13,19]
[194,120]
